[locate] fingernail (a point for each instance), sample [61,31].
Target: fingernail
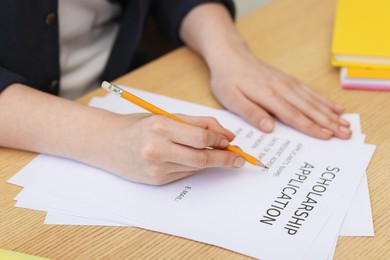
[339,107]
[239,162]
[224,143]
[345,130]
[228,131]
[343,121]
[327,131]
[265,125]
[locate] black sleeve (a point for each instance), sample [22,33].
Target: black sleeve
[29,44]
[170,13]
[8,77]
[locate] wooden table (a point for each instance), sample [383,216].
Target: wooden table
[293,35]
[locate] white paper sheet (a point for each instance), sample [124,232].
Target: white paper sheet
[228,208]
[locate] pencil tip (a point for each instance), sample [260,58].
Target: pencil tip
[261,165]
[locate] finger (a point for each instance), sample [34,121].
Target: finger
[189,135]
[316,103]
[250,111]
[319,115]
[205,158]
[323,115]
[337,108]
[209,123]
[292,116]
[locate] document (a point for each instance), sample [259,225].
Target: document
[276,213]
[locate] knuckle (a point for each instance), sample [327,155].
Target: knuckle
[270,92]
[228,98]
[250,114]
[159,124]
[294,119]
[213,121]
[202,159]
[334,117]
[287,120]
[327,121]
[292,82]
[202,139]
[285,87]
[277,81]
[228,160]
[149,152]
[304,123]
[287,81]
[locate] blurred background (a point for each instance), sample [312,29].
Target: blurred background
[152,45]
[246,6]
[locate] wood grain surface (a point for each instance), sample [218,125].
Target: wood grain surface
[293,35]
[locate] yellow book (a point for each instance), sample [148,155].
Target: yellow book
[368,73]
[361,36]
[12,255]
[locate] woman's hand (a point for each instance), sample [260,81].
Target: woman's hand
[158,150]
[255,91]
[252,89]
[138,147]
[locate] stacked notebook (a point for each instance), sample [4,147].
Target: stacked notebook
[361,44]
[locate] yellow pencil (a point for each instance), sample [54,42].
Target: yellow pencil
[158,111]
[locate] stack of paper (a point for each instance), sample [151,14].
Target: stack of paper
[313,191]
[361,43]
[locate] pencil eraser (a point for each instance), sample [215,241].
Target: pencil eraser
[106,85]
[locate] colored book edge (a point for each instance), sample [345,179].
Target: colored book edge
[338,63]
[368,73]
[12,255]
[363,84]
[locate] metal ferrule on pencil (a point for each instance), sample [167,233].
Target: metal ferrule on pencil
[112,88]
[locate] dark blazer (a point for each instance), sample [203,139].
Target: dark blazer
[29,38]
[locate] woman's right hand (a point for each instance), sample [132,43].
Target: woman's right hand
[158,150]
[139,147]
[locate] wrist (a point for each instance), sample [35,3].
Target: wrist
[223,54]
[91,134]
[226,63]
[209,30]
